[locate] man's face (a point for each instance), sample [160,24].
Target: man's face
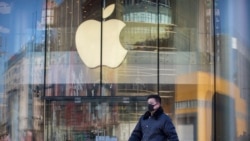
[152,101]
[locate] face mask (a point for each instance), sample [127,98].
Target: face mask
[151,107]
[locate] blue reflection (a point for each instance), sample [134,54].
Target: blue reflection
[19,22]
[232,26]
[20,28]
[235,18]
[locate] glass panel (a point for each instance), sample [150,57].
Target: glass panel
[73,48]
[137,74]
[167,51]
[93,119]
[231,102]
[186,66]
[21,69]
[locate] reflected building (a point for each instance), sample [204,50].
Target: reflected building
[23,111]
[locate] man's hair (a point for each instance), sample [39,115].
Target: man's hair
[156,97]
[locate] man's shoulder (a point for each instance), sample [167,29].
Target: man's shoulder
[165,116]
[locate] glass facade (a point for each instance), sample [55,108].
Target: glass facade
[80,70]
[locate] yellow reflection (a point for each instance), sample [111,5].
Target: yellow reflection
[195,98]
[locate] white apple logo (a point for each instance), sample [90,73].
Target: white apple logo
[88,41]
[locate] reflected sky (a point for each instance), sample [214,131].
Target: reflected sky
[19,21]
[234,15]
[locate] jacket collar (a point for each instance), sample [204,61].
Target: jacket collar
[156,115]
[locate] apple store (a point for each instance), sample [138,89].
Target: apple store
[81,70]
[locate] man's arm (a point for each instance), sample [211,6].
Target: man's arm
[169,130]
[136,135]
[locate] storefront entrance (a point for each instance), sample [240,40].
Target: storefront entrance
[92,118]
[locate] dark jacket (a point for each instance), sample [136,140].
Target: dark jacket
[158,127]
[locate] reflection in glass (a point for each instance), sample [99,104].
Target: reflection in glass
[22,69]
[94,119]
[193,53]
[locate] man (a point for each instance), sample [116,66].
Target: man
[154,125]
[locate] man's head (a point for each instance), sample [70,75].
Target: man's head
[154,102]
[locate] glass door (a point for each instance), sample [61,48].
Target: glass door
[92,118]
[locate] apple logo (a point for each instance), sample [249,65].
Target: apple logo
[88,41]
